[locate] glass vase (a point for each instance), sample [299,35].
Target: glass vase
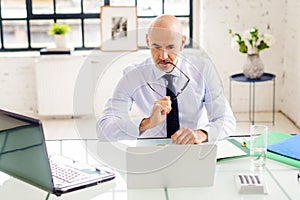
[253,67]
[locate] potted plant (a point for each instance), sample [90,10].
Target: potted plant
[251,43]
[59,31]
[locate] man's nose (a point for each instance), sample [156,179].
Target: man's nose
[163,54]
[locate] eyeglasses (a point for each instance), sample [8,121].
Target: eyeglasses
[181,90]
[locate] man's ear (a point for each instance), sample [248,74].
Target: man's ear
[183,42]
[147,40]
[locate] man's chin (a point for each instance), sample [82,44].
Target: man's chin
[165,67]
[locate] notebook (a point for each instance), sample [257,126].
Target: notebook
[288,147]
[23,154]
[170,165]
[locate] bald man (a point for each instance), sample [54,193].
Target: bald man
[202,111]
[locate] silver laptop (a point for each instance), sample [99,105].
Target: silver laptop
[159,164]
[23,155]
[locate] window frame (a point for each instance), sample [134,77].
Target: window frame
[79,16]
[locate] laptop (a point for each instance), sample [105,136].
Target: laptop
[23,155]
[159,164]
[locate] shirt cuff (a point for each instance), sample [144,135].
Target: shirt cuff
[205,132]
[137,122]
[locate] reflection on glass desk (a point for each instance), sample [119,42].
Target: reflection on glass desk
[281,179]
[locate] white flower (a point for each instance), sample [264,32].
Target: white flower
[252,50]
[268,39]
[252,41]
[247,35]
[234,43]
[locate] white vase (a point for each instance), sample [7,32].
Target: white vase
[253,67]
[60,41]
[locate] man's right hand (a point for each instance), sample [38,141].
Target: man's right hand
[160,109]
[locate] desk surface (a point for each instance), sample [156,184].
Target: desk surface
[281,179]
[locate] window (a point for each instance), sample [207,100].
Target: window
[24,23]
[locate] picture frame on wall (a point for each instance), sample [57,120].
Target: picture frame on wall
[118,28]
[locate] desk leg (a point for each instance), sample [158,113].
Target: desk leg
[230,92]
[252,102]
[253,105]
[273,101]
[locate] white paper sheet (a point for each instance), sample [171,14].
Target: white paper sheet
[226,149]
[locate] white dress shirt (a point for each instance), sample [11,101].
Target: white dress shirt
[202,105]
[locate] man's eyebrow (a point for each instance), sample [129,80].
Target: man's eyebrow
[171,46]
[168,47]
[155,45]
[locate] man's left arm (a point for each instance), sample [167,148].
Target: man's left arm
[222,122]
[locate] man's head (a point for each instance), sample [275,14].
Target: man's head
[165,40]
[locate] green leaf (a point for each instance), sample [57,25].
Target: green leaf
[243,47]
[239,36]
[254,34]
[262,45]
[59,29]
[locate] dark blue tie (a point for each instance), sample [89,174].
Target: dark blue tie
[173,116]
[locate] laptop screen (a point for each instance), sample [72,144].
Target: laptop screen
[23,151]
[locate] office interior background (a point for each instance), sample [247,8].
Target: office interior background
[43,85]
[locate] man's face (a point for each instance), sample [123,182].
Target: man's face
[165,46]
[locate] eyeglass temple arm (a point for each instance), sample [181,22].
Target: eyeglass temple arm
[181,90]
[180,71]
[188,79]
[153,89]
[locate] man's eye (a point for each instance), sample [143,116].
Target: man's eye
[170,48]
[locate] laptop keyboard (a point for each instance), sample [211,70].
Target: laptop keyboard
[66,174]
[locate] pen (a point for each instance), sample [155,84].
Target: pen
[298,176]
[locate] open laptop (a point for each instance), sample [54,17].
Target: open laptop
[159,164]
[23,155]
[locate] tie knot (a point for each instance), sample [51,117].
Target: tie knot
[170,86]
[169,78]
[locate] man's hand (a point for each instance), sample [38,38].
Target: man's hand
[188,136]
[160,109]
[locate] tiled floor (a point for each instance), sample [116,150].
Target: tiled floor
[85,128]
[282,123]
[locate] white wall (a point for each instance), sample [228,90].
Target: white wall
[278,17]
[290,93]
[17,85]
[281,19]
[218,17]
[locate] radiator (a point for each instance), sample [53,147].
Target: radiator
[56,77]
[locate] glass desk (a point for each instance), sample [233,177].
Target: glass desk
[281,179]
[242,78]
